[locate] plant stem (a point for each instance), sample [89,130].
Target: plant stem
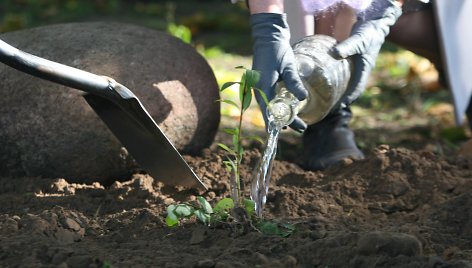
[239,200]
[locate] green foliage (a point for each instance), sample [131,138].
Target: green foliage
[177,212]
[202,210]
[235,151]
[275,228]
[180,31]
[222,213]
[453,134]
[106,264]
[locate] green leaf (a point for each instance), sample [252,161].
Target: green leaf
[263,95]
[232,163]
[106,264]
[225,204]
[453,134]
[180,31]
[247,98]
[226,148]
[249,206]
[230,102]
[242,88]
[240,153]
[229,165]
[171,218]
[202,216]
[227,85]
[236,142]
[183,210]
[252,77]
[274,228]
[171,208]
[269,228]
[231,131]
[205,205]
[288,226]
[286,229]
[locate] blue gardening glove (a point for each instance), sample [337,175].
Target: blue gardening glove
[364,44]
[273,57]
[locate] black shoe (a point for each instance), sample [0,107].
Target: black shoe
[329,141]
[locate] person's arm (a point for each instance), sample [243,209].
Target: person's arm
[272,54]
[266,6]
[364,44]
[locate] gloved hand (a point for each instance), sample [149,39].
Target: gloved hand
[273,57]
[364,44]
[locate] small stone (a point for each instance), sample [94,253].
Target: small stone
[391,244]
[347,161]
[206,263]
[261,259]
[169,201]
[66,236]
[71,224]
[211,195]
[60,185]
[290,261]
[116,185]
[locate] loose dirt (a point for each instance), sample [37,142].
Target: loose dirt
[397,208]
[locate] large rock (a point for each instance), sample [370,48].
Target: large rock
[49,130]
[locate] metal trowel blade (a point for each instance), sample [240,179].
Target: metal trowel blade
[144,140]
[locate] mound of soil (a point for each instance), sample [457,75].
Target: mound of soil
[397,208]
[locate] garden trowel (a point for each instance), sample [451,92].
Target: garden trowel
[121,111]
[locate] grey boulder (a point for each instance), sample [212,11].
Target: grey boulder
[48,130]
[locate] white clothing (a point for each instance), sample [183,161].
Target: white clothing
[453,18]
[312,6]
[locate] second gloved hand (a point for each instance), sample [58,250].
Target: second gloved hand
[274,59]
[364,44]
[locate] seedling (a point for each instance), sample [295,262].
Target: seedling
[237,207]
[235,152]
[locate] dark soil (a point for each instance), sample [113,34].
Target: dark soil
[397,208]
[406,205]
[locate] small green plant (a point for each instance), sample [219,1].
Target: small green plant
[204,212]
[237,207]
[222,213]
[235,152]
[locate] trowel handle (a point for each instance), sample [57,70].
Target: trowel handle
[53,71]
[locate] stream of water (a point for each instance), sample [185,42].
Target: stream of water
[261,176]
[280,112]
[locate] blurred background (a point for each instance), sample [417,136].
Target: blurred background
[403,104]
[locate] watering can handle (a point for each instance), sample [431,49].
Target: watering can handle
[55,72]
